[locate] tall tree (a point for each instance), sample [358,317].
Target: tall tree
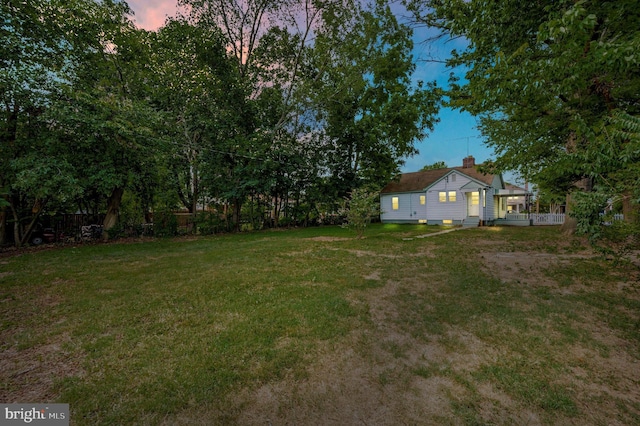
[368,108]
[192,83]
[103,120]
[268,40]
[41,46]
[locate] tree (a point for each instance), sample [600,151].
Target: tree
[362,206]
[368,110]
[38,58]
[267,40]
[193,82]
[550,81]
[105,120]
[435,166]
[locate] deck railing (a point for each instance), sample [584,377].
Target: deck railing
[546,218]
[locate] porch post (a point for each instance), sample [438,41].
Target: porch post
[480,205]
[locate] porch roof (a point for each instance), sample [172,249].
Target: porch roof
[512,192]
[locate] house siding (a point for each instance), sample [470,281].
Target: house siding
[456,211]
[404,212]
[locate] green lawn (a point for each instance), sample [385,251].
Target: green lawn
[144,332]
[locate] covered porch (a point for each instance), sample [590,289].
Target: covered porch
[479,204]
[506,217]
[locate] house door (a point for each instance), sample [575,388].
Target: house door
[473,203]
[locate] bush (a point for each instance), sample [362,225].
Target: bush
[614,238]
[165,224]
[209,223]
[362,205]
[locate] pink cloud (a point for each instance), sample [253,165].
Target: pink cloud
[152,14]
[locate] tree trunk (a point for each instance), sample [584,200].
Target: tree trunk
[17,238]
[3,226]
[629,210]
[113,210]
[570,223]
[237,205]
[26,235]
[276,211]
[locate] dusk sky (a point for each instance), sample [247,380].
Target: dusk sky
[453,138]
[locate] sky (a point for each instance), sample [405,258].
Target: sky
[454,137]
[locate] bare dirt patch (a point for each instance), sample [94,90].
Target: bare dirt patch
[328,239]
[526,267]
[33,372]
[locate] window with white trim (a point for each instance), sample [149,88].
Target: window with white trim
[450,196]
[395,203]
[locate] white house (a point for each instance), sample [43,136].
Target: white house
[449,196]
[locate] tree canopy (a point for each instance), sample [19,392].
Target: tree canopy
[252,111]
[555,84]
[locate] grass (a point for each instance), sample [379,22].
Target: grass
[145,331]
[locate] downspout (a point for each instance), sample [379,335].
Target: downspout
[411,205]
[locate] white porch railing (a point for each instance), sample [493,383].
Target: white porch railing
[517,216]
[546,218]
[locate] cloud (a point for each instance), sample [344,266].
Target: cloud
[152,14]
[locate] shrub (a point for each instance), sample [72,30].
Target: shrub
[362,205]
[165,224]
[208,223]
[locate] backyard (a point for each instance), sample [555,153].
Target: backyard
[313,326]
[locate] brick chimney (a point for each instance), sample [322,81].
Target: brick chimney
[468,162]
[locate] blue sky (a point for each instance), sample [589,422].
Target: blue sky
[456,134]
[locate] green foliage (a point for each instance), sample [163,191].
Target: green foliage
[364,95]
[435,166]
[555,85]
[362,206]
[613,238]
[76,126]
[209,223]
[232,104]
[165,224]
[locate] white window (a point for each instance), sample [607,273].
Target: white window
[423,200]
[475,198]
[442,196]
[395,203]
[447,222]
